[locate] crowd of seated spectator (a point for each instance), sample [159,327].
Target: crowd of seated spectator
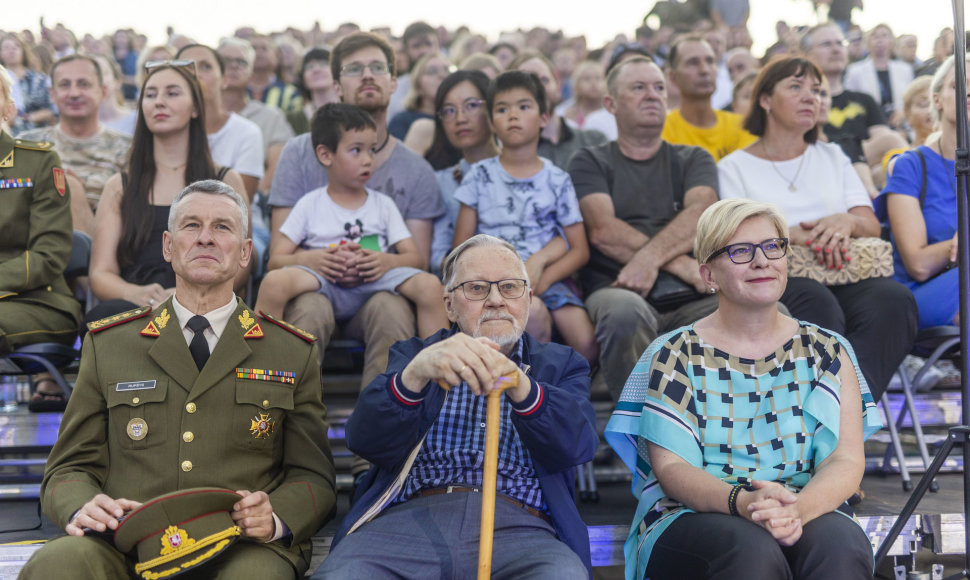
[269,77]
[254,74]
[594,164]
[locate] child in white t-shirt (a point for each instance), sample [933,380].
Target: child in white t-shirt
[347,230]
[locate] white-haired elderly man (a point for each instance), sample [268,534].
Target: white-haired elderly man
[426,444]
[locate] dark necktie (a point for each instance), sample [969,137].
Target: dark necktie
[199,347]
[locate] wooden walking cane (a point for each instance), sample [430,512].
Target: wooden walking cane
[490,475]
[490,472]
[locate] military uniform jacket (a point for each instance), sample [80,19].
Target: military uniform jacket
[36,226]
[143,421]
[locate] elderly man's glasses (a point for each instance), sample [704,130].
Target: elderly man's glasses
[186,64]
[742,253]
[510,289]
[356,69]
[235,61]
[471,107]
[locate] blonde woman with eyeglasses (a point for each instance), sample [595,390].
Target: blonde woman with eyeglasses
[745,429]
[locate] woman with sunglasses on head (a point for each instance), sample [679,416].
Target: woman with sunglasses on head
[460,124]
[745,429]
[826,206]
[168,151]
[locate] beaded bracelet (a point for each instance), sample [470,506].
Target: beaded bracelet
[733,497]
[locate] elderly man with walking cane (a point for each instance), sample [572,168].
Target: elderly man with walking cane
[422,424]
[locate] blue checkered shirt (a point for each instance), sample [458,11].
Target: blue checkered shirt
[453,452]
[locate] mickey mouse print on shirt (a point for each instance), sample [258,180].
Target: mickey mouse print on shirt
[353,230]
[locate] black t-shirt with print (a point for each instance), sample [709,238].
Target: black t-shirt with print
[850,117]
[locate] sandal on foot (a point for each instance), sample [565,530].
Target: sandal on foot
[41,402]
[857,497]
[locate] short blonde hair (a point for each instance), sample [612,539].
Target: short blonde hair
[919,86]
[481,61]
[936,87]
[721,220]
[6,84]
[585,65]
[148,55]
[7,106]
[413,100]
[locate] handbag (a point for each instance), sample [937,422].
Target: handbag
[670,292]
[871,258]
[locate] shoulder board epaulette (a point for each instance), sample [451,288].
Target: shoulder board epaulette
[289,327]
[99,325]
[33,145]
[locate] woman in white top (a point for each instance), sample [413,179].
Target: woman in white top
[825,204]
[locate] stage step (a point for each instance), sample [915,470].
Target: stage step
[19,491]
[946,531]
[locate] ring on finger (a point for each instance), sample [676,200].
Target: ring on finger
[462,369]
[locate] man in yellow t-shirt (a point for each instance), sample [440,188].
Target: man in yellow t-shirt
[692,66]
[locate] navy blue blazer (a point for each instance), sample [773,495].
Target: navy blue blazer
[560,434]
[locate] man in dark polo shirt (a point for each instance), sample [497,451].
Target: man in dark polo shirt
[641,198]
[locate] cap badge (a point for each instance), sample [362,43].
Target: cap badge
[175,539]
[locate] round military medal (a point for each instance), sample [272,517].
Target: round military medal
[137,429]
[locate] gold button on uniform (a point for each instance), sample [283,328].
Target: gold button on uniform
[190,407]
[186,466]
[188,436]
[135,401]
[265,404]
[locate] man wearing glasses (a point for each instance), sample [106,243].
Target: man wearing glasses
[362,67]
[422,424]
[854,117]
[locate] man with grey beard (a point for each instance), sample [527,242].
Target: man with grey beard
[427,448]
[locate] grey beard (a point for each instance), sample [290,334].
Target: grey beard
[504,341]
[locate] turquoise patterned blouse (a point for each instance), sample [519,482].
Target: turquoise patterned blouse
[773,419]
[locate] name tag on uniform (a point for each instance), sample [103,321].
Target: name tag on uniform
[15,183]
[135,386]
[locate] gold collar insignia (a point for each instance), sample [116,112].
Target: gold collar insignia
[162,319]
[246,320]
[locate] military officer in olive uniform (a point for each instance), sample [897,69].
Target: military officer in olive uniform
[35,244]
[153,412]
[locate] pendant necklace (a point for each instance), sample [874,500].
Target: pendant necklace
[387,137]
[791,182]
